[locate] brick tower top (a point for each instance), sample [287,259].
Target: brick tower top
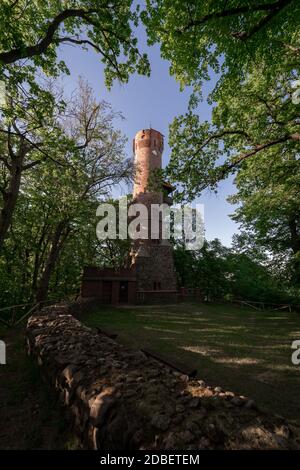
[148,146]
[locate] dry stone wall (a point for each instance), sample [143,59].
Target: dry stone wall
[120,400]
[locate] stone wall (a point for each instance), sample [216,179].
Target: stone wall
[158,267]
[120,400]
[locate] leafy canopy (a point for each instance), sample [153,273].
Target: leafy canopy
[31,33]
[228,36]
[259,119]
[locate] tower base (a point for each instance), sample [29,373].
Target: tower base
[155,269]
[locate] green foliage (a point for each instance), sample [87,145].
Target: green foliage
[53,230]
[228,36]
[115,253]
[262,147]
[259,120]
[34,30]
[224,273]
[268,198]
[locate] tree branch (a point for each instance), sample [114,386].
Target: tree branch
[272,8]
[32,164]
[36,146]
[5,162]
[290,47]
[258,148]
[96,47]
[244,35]
[30,51]
[222,171]
[219,135]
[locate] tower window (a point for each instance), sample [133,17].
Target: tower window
[154,143]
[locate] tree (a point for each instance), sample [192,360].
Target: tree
[224,273]
[115,252]
[228,36]
[34,30]
[53,226]
[29,135]
[255,49]
[255,135]
[268,198]
[30,35]
[260,120]
[96,165]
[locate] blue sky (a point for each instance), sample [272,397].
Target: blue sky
[156,101]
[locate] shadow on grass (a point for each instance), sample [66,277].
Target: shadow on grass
[246,351]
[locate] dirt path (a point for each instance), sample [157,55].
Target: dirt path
[30,416]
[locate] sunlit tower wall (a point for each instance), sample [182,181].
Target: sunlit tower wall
[148,146]
[153,258]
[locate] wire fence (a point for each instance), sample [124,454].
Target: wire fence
[263,305]
[14,315]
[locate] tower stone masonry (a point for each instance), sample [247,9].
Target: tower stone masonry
[152,258]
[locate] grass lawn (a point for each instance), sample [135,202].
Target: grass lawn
[30,416]
[245,351]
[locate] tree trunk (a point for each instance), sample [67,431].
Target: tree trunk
[295,245]
[10,196]
[59,237]
[11,193]
[39,252]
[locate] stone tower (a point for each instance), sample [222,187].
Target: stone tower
[153,258]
